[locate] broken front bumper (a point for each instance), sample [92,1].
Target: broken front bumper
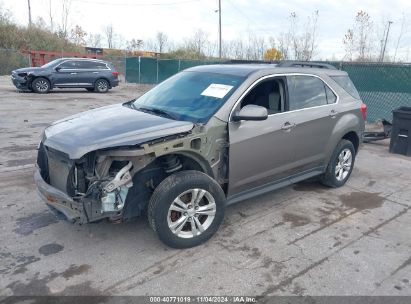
[19,82]
[63,206]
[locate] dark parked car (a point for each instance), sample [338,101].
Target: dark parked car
[204,138]
[91,74]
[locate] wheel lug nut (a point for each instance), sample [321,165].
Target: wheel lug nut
[196,207]
[185,213]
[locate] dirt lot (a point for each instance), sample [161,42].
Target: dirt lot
[302,240]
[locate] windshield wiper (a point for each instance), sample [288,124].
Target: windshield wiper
[156,111]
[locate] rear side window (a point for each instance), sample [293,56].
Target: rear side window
[331,98]
[346,83]
[68,65]
[306,92]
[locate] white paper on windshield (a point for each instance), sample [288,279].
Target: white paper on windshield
[217,90]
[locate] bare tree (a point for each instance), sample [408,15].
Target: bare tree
[94,40]
[51,17]
[161,41]
[198,42]
[357,41]
[78,35]
[134,44]
[65,12]
[313,24]
[349,44]
[363,27]
[109,33]
[400,35]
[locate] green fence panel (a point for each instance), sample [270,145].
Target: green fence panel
[383,87]
[167,68]
[132,69]
[148,70]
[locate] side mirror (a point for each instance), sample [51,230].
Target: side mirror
[58,69]
[251,112]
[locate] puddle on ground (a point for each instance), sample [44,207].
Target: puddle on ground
[49,249]
[295,219]
[362,200]
[26,225]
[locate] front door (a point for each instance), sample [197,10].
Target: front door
[262,152]
[66,74]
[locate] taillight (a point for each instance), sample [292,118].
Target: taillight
[364,111]
[115,74]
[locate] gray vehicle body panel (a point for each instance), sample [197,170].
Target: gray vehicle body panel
[110,126]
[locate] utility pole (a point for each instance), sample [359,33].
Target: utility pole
[219,28]
[28,2]
[386,39]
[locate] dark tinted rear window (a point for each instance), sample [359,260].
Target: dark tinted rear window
[346,83]
[306,92]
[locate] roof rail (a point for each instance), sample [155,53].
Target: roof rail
[305,64]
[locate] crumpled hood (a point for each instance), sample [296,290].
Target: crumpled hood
[27,70]
[109,126]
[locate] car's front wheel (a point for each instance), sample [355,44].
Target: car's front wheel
[40,85]
[340,166]
[101,86]
[186,209]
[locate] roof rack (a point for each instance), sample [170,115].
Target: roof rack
[305,64]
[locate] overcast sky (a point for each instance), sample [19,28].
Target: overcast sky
[180,18]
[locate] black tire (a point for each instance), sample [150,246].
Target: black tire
[90,89]
[41,85]
[330,178]
[101,86]
[168,191]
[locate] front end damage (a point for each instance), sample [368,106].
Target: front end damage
[117,183]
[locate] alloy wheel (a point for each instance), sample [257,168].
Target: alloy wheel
[343,166]
[191,213]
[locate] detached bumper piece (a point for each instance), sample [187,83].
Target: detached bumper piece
[373,136]
[63,206]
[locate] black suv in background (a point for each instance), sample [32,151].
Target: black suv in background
[91,74]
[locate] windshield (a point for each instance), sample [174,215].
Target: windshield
[190,96]
[52,63]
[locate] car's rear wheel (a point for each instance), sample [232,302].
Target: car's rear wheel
[340,166]
[41,85]
[101,86]
[186,209]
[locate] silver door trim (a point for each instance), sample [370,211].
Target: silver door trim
[281,75]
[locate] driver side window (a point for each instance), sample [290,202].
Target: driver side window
[268,93]
[68,65]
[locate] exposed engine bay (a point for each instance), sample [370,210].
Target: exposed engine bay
[117,183]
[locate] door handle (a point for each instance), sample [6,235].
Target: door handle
[73,73]
[287,126]
[95,72]
[333,113]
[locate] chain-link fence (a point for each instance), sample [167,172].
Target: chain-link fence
[382,86]
[11,60]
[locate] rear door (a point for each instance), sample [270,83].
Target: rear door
[312,107]
[87,72]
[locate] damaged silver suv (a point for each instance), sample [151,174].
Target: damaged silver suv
[205,138]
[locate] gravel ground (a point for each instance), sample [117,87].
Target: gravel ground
[301,240]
